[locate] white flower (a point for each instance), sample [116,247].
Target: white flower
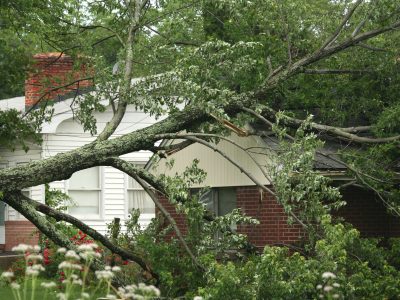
[48,285]
[328,288]
[106,274]
[36,248]
[15,286]
[84,247]
[61,296]
[85,295]
[336,284]
[131,287]
[87,247]
[87,255]
[38,267]
[327,275]
[319,287]
[21,248]
[31,271]
[72,254]
[77,281]
[68,265]
[34,257]
[116,269]
[61,250]
[107,268]
[198,298]
[7,274]
[335,296]
[141,285]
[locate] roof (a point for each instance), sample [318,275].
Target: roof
[326,159]
[17,103]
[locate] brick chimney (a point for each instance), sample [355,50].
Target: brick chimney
[50,71]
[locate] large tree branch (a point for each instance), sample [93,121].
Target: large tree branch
[209,135]
[132,171]
[62,166]
[358,173]
[341,132]
[29,209]
[59,216]
[127,80]
[335,71]
[17,201]
[240,168]
[346,18]
[157,184]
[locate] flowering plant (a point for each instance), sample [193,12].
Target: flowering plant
[75,269]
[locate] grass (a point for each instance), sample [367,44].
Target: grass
[6,292]
[40,292]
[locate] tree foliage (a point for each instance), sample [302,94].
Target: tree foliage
[211,67]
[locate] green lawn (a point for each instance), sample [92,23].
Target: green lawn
[41,294]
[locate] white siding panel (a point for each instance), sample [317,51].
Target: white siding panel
[17,157]
[114,194]
[69,135]
[220,172]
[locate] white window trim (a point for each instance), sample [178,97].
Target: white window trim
[100,189]
[215,198]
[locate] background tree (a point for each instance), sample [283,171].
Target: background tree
[227,61]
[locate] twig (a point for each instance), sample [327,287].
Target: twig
[335,35]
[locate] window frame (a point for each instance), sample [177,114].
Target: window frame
[99,190]
[215,197]
[143,216]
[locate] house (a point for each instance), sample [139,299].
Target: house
[100,194]
[230,188]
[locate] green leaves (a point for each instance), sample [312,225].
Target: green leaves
[16,131]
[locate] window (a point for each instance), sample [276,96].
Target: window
[138,198]
[219,201]
[84,189]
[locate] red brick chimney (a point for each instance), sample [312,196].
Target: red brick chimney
[51,71]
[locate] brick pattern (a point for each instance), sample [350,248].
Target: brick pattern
[52,70]
[18,232]
[273,228]
[368,214]
[363,211]
[180,219]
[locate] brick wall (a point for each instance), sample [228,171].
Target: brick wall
[179,218]
[367,213]
[18,232]
[52,70]
[363,210]
[273,228]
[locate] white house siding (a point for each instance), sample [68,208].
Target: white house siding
[13,158]
[221,172]
[69,135]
